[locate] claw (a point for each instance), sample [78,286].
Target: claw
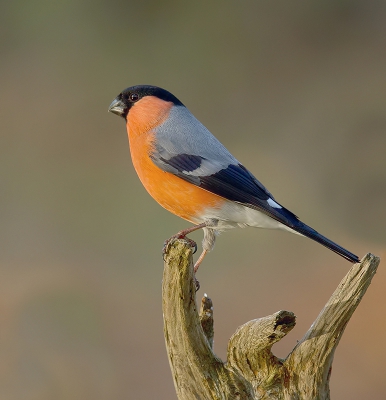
[192,244]
[197,284]
[194,247]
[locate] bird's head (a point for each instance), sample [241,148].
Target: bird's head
[141,96]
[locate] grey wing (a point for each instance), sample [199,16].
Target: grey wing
[182,133]
[186,148]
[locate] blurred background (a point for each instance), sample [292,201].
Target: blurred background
[296,91]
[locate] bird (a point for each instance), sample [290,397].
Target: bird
[191,174]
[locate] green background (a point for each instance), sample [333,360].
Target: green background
[296,91]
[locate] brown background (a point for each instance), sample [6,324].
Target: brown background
[297,92]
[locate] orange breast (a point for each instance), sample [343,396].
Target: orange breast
[176,195]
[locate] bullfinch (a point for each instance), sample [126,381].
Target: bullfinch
[191,174]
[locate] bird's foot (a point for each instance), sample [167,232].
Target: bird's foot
[191,243]
[182,235]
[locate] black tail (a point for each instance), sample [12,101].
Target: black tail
[312,234]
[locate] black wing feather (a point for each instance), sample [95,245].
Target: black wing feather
[236,183]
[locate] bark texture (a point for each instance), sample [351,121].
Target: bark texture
[251,370]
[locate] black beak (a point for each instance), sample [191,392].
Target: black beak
[118,107]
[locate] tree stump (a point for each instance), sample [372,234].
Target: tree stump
[251,370]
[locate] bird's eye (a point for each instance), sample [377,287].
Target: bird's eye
[133,97]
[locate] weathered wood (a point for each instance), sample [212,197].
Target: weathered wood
[206,319]
[251,370]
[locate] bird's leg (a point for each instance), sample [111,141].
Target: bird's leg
[196,265]
[182,235]
[200,259]
[207,245]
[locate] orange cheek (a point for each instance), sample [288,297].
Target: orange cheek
[146,114]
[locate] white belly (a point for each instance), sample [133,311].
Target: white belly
[233,215]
